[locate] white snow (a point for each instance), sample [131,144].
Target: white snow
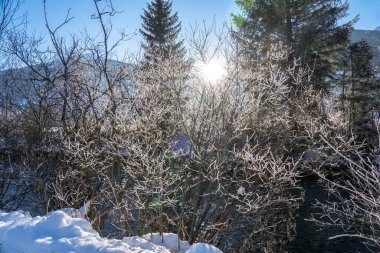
[171,241]
[77,213]
[203,247]
[241,190]
[59,232]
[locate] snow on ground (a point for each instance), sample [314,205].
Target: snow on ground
[170,241]
[58,232]
[203,247]
[77,213]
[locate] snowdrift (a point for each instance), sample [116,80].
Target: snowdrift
[59,232]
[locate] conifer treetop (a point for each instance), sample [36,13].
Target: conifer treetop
[160,31]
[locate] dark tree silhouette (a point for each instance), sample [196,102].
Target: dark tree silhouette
[160,30]
[309,29]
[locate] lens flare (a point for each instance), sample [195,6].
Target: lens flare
[212,71]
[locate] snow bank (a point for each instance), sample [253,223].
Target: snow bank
[171,241]
[203,247]
[58,232]
[77,213]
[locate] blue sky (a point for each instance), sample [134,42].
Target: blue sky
[189,12]
[369,11]
[128,20]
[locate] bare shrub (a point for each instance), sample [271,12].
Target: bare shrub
[160,147]
[353,188]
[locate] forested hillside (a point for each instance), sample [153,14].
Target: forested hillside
[373,39]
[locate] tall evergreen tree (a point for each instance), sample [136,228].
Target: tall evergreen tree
[363,93]
[309,29]
[165,64]
[361,55]
[160,30]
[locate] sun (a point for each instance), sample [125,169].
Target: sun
[212,71]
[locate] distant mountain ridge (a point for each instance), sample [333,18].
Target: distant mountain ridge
[373,39]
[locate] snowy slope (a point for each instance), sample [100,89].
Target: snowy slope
[60,233]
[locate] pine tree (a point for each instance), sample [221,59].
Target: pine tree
[164,51]
[309,29]
[160,30]
[363,93]
[361,55]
